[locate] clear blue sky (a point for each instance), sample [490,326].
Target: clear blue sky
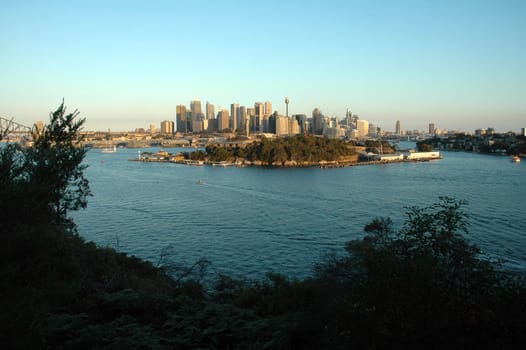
[126,64]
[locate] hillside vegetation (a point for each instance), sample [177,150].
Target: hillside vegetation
[423,285]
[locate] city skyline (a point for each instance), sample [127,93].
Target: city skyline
[126,64]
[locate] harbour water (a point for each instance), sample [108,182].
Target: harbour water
[248,221]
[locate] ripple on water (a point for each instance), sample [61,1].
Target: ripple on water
[251,220]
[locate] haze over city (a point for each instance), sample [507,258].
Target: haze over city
[127,64]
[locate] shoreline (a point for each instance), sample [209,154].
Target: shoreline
[321,165]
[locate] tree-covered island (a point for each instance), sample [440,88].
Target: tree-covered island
[295,151]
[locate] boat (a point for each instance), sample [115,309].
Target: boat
[110,149]
[515,159]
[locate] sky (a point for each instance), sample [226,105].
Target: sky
[126,64]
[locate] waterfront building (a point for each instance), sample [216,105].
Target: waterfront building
[362,128]
[223,120]
[398,128]
[180,118]
[210,111]
[167,127]
[234,117]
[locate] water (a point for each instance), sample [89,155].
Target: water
[249,221]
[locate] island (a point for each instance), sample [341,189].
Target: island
[294,151]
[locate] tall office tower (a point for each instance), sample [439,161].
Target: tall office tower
[167,127]
[294,127]
[523,131]
[223,120]
[398,128]
[180,118]
[242,117]
[431,128]
[362,126]
[152,129]
[302,122]
[268,108]
[260,108]
[234,110]
[210,111]
[317,120]
[282,125]
[195,107]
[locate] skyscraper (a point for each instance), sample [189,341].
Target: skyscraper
[195,107]
[302,122]
[234,116]
[259,108]
[268,108]
[317,121]
[242,117]
[431,128]
[398,128]
[210,111]
[223,120]
[167,127]
[180,116]
[362,126]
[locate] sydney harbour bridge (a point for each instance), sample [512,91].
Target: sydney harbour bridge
[13,131]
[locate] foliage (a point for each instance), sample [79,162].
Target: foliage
[46,181]
[301,149]
[423,146]
[421,286]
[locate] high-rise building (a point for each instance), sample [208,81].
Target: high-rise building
[210,111]
[242,116]
[180,118]
[302,122]
[223,120]
[282,125]
[268,108]
[317,120]
[362,127]
[294,127]
[260,108]
[431,128]
[523,131]
[195,108]
[398,128]
[152,129]
[167,127]
[234,116]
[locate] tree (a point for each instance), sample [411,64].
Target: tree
[44,182]
[423,285]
